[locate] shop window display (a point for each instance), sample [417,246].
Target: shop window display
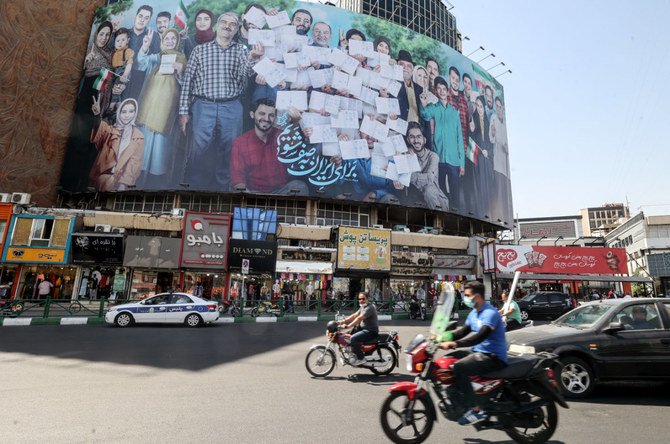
[60,278]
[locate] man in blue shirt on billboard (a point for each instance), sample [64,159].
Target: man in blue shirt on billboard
[484,332]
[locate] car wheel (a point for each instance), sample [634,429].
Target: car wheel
[524,315]
[575,377]
[193,320]
[123,320]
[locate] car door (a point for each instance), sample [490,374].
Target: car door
[180,304]
[153,309]
[638,351]
[556,305]
[539,304]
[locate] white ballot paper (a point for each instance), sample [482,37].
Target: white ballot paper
[343,61]
[166,63]
[396,143]
[354,149]
[391,72]
[388,148]
[340,80]
[310,120]
[352,104]
[407,163]
[265,37]
[317,53]
[354,86]
[272,72]
[321,77]
[398,125]
[296,99]
[405,179]
[274,53]
[255,16]
[359,47]
[393,87]
[302,81]
[290,75]
[297,60]
[368,95]
[374,129]
[345,119]
[324,102]
[387,105]
[364,75]
[275,21]
[391,171]
[330,149]
[378,165]
[323,134]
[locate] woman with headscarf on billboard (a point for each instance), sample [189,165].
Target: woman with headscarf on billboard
[80,154]
[120,149]
[158,113]
[204,31]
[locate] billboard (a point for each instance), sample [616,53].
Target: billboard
[205,240]
[363,249]
[306,100]
[564,260]
[90,248]
[536,230]
[262,255]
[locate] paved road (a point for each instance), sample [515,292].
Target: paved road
[242,383]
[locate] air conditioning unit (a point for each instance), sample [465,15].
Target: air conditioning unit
[300,221]
[178,212]
[378,226]
[20,198]
[118,230]
[103,228]
[321,221]
[5,197]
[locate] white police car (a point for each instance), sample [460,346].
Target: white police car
[165,308]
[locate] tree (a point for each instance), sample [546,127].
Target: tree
[108,11]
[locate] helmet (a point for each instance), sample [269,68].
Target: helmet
[331,326]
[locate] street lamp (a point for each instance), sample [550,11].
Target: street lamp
[496,65]
[576,240]
[557,239]
[518,242]
[508,71]
[538,241]
[481,47]
[490,55]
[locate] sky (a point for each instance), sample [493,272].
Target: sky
[587,102]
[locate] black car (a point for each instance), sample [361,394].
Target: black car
[544,305]
[615,339]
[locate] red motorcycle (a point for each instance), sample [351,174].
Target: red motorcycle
[381,354]
[520,399]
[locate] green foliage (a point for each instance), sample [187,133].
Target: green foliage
[218,7]
[106,12]
[420,46]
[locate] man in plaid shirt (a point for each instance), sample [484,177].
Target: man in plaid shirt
[215,78]
[457,99]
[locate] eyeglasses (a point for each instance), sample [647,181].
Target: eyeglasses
[361,299]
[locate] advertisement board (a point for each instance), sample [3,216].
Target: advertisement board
[100,249]
[321,102]
[205,240]
[35,255]
[536,230]
[363,249]
[152,252]
[261,256]
[563,260]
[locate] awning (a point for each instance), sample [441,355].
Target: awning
[304,267]
[575,277]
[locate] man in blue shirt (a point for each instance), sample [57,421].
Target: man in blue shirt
[484,332]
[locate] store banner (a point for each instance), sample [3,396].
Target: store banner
[364,249]
[152,252]
[88,248]
[205,240]
[27,255]
[564,260]
[399,271]
[411,259]
[262,255]
[460,261]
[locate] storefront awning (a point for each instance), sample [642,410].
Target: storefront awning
[304,267]
[575,277]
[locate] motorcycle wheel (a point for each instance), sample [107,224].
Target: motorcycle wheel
[320,361]
[235,312]
[223,309]
[404,426]
[384,352]
[254,312]
[545,417]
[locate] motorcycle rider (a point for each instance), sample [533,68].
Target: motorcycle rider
[484,332]
[511,316]
[365,319]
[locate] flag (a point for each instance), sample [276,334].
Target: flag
[102,79]
[473,151]
[181,17]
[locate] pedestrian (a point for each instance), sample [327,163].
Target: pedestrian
[44,289]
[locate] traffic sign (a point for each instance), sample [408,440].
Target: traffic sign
[245,266]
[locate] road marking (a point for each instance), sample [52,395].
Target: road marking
[73,321]
[307,318]
[16,322]
[264,319]
[224,321]
[384,318]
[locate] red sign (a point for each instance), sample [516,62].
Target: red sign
[563,260]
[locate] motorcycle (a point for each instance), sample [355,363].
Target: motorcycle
[528,323]
[520,399]
[10,308]
[266,307]
[381,354]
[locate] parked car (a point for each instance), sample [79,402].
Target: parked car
[181,308]
[615,339]
[545,305]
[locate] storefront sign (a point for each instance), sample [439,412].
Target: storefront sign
[363,249]
[411,271]
[536,230]
[262,255]
[205,240]
[564,260]
[413,259]
[97,249]
[451,261]
[152,252]
[35,255]
[304,267]
[306,256]
[659,264]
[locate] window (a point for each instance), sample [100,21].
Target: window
[541,299]
[40,234]
[181,299]
[639,317]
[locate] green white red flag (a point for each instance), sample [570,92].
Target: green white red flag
[181,16]
[473,151]
[103,79]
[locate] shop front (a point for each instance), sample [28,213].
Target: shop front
[204,254]
[259,281]
[37,251]
[99,258]
[363,263]
[411,274]
[304,273]
[7,272]
[153,263]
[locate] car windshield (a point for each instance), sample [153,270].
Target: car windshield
[585,316]
[528,297]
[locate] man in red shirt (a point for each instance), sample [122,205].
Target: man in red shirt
[254,166]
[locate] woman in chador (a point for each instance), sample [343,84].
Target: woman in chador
[120,149]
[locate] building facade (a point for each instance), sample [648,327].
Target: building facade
[600,220]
